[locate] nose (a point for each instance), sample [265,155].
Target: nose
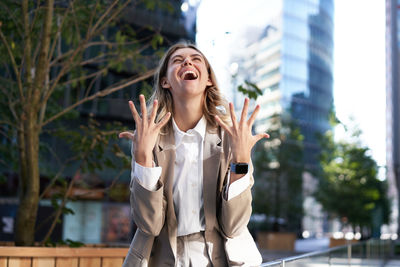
[187,61]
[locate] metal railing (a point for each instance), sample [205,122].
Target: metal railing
[371,252]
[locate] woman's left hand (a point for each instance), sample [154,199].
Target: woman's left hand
[241,138]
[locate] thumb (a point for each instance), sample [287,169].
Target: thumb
[126,135]
[261,136]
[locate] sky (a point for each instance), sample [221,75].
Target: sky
[359,57]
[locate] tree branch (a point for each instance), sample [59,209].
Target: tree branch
[85,77]
[93,14]
[59,211]
[57,38]
[75,22]
[53,180]
[91,31]
[27,47]
[89,88]
[17,25]
[13,63]
[90,44]
[42,65]
[111,17]
[5,135]
[107,91]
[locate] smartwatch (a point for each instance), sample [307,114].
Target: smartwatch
[239,168]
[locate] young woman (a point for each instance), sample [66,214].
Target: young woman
[191,174]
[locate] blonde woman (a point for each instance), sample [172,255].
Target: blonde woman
[191,180]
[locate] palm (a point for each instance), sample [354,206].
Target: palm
[145,136]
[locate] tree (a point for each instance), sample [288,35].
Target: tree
[349,188]
[51,50]
[279,167]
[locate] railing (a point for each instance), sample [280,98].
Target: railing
[369,253]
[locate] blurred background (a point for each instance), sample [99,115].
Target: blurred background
[325,73]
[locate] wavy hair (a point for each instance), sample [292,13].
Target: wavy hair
[213,100]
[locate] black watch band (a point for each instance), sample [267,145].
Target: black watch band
[240,168]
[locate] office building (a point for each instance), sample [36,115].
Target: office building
[291,61]
[393,106]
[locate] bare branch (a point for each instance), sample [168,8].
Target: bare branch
[27,46]
[42,65]
[93,60]
[11,103]
[112,17]
[13,63]
[107,91]
[17,25]
[93,30]
[64,55]
[6,135]
[60,208]
[92,14]
[85,77]
[75,22]
[114,181]
[44,104]
[58,33]
[91,85]
[36,15]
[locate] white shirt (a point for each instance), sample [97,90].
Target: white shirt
[188,179]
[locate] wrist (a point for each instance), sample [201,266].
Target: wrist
[144,159]
[240,158]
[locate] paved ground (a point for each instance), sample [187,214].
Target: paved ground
[301,246]
[310,245]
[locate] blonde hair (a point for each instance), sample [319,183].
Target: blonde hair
[213,99]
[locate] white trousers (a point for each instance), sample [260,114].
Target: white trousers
[192,251]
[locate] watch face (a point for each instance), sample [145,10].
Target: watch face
[241,168]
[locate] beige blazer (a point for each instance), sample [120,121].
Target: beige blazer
[155,241]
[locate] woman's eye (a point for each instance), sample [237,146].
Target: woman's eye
[177,60]
[197,59]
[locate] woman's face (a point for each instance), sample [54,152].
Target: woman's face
[187,74]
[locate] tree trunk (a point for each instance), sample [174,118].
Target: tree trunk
[28,142]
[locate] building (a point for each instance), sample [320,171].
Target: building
[291,61]
[393,106]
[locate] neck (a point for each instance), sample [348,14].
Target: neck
[187,114]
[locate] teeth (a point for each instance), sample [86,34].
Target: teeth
[188,72]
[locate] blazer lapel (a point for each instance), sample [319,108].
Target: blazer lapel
[211,167]
[165,155]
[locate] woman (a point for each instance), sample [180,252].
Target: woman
[190,186]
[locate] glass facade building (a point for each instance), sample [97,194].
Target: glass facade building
[393,105]
[292,63]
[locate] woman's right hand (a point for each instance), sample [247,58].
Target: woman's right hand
[145,136]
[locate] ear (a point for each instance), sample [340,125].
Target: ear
[164,83]
[209,82]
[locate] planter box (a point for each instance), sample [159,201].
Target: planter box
[276,241]
[61,257]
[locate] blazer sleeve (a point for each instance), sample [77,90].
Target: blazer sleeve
[235,213]
[147,207]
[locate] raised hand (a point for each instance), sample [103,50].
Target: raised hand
[146,133]
[241,138]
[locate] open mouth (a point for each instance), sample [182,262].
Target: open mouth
[189,75]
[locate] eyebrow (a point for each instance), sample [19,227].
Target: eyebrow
[192,55]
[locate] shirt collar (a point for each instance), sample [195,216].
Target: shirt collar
[200,129]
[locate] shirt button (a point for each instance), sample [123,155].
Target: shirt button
[193,211]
